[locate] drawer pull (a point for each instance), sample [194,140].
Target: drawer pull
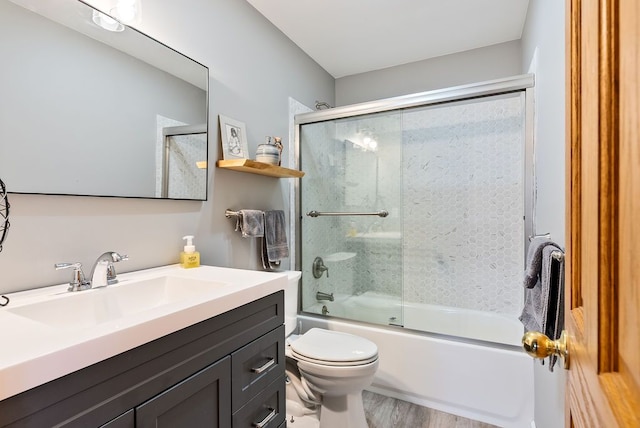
[267,419]
[264,367]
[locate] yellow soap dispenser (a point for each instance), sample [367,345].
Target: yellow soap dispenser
[189,258]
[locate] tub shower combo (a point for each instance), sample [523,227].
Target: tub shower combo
[413,218]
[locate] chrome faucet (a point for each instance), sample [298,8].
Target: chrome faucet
[324,296]
[103,272]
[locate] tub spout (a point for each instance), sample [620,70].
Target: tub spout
[324,296]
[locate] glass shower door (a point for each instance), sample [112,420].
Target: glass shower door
[454,172]
[184,170]
[352,251]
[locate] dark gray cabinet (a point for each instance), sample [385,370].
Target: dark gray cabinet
[127,420]
[227,371]
[267,409]
[202,400]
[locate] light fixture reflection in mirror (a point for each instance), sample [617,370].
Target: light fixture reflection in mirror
[106,22]
[125,11]
[128,11]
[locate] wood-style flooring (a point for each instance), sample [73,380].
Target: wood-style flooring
[386,412]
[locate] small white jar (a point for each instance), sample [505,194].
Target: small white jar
[268,153]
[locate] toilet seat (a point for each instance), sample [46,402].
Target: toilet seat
[299,357]
[332,348]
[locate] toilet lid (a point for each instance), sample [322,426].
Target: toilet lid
[319,345]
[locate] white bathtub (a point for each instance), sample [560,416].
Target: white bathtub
[464,323]
[487,382]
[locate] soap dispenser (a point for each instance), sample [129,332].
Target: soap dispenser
[189,258]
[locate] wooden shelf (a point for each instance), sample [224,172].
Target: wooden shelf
[253,167]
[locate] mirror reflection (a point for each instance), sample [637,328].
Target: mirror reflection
[88,111]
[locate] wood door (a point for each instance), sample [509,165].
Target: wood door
[603,213]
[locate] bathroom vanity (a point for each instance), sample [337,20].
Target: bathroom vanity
[226,370]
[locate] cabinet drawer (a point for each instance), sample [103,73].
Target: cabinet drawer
[256,365]
[266,410]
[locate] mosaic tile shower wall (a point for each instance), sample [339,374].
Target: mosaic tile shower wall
[451,177]
[186,179]
[341,175]
[321,157]
[464,204]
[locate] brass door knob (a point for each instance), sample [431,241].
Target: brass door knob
[539,345]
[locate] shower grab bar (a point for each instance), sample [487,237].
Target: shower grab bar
[381,213]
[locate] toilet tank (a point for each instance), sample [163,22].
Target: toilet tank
[291,301]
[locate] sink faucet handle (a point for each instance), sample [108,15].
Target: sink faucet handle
[111,270]
[79,282]
[116,257]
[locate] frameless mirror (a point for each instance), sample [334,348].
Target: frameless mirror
[87,111]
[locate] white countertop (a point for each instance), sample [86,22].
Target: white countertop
[33,353]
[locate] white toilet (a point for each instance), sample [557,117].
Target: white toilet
[336,366]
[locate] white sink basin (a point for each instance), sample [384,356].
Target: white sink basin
[100,305]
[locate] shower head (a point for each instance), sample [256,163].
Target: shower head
[321,105]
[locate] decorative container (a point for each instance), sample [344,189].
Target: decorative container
[268,153]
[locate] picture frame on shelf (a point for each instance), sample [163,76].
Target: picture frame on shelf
[234,139]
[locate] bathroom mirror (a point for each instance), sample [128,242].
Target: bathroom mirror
[87,111]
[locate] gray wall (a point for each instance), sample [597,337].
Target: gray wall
[543,38]
[254,68]
[477,65]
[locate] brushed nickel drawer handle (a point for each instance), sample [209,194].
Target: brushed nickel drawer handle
[264,367]
[267,419]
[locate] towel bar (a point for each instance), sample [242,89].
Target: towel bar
[381,213]
[230,213]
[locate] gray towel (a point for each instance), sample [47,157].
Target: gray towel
[544,291]
[250,223]
[274,244]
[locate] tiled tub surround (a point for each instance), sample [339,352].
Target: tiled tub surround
[464,204]
[451,177]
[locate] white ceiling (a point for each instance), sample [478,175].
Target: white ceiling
[354,36]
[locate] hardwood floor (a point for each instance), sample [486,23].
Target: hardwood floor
[386,412]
